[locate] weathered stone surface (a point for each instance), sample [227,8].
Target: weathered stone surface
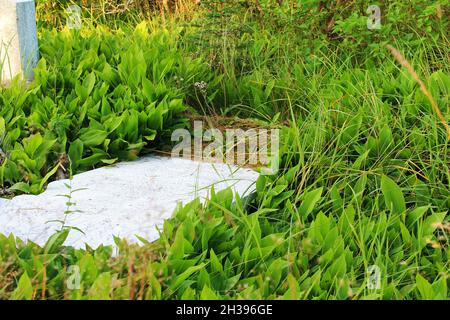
[124,200]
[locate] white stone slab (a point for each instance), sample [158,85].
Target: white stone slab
[127,199]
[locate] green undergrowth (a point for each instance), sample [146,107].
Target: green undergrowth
[219,251]
[98,97]
[364,179]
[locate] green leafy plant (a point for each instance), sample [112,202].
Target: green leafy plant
[364,177]
[97,98]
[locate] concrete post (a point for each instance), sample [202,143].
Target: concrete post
[19,52]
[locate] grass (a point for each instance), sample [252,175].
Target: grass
[364,181]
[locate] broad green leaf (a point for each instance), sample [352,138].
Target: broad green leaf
[93,137]
[424,287]
[24,290]
[393,195]
[89,83]
[310,199]
[2,128]
[20,186]
[55,242]
[177,281]
[416,214]
[75,153]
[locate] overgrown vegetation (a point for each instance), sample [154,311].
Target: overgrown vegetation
[365,176]
[97,98]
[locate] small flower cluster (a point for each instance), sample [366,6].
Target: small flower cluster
[202,86]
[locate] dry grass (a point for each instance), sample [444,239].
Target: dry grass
[145,8]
